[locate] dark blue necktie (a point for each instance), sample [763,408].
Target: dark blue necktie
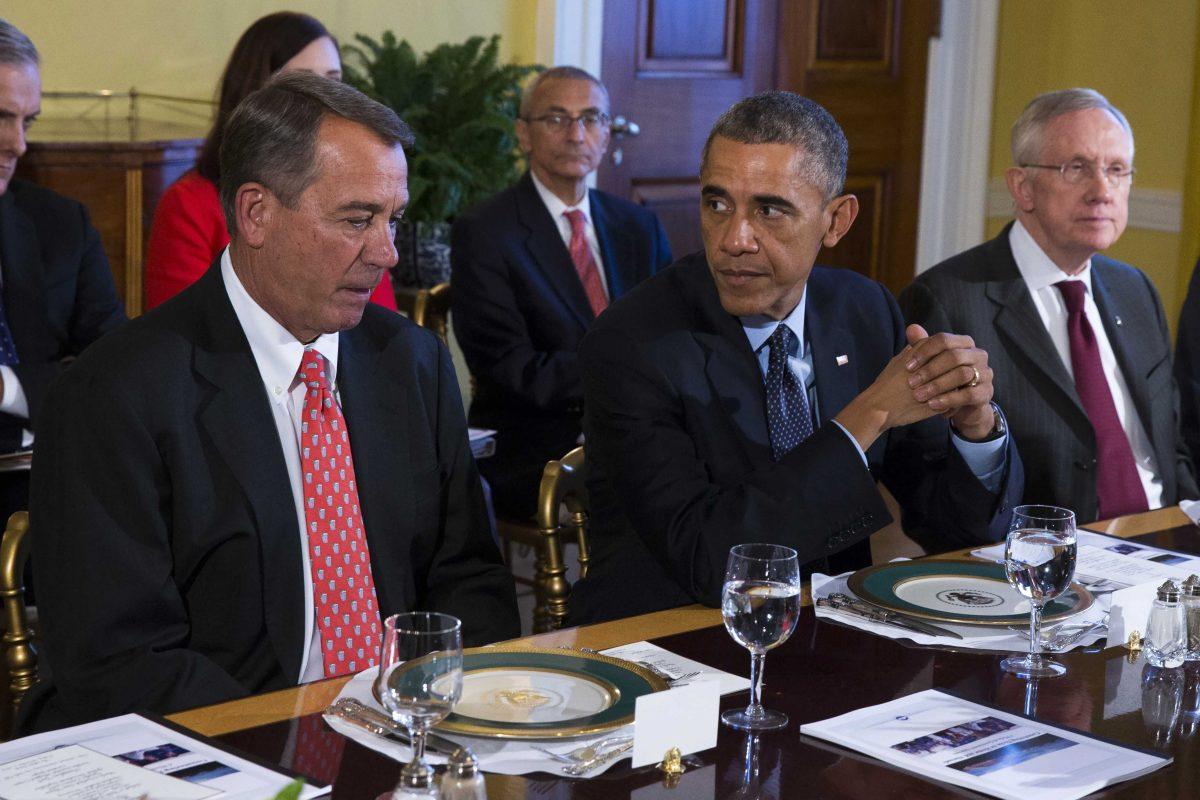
[787,405]
[8,350]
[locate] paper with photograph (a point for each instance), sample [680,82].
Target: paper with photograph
[131,757]
[949,739]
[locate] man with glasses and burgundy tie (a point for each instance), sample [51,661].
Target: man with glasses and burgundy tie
[533,266]
[1078,341]
[236,487]
[745,395]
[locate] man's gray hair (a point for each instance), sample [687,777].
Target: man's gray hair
[271,137]
[15,47]
[1028,132]
[788,118]
[557,74]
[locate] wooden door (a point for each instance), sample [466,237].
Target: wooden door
[671,68]
[865,61]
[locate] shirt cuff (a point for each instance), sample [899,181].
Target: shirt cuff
[13,400]
[985,459]
[854,442]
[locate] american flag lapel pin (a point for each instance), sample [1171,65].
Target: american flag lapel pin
[1117,319]
[842,360]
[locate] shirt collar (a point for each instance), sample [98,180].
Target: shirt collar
[276,351]
[557,207]
[1037,268]
[759,327]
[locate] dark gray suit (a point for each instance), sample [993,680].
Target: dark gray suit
[981,293]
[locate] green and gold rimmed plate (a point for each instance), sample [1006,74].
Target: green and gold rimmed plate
[957,590]
[537,693]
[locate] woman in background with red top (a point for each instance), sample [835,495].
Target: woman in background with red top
[189,232]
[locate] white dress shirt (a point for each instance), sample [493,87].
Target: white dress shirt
[1040,274]
[558,210]
[985,459]
[277,354]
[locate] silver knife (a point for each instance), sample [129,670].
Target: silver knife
[844,602]
[380,724]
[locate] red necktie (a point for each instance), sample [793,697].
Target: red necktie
[347,613]
[1118,485]
[585,265]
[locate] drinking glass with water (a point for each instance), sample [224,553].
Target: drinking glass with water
[761,606]
[1039,559]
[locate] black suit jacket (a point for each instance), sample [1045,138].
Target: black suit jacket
[679,453]
[58,290]
[167,554]
[520,309]
[981,293]
[1187,366]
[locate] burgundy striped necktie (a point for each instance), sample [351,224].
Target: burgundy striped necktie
[1118,485]
[585,265]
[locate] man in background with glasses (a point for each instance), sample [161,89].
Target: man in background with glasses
[1078,342]
[533,266]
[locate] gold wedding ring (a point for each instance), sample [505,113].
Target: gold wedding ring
[974,381]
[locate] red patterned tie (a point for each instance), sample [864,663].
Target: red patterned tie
[1118,485]
[585,265]
[347,613]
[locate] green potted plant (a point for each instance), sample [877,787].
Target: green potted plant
[462,104]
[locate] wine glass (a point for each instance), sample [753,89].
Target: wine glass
[1039,560]
[420,680]
[761,606]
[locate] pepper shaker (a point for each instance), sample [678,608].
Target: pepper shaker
[1191,614]
[463,780]
[1166,637]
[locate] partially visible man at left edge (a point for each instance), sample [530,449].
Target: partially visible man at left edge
[58,292]
[250,476]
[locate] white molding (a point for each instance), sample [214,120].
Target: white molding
[958,131]
[569,33]
[1149,209]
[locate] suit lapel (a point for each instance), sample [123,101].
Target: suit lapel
[1017,319]
[731,367]
[546,248]
[616,249]
[837,384]
[369,400]
[239,422]
[1130,358]
[20,261]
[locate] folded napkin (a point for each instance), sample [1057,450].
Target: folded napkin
[518,757]
[975,637]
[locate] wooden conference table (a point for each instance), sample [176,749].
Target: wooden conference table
[825,669]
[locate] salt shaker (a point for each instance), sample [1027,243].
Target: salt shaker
[463,780]
[1191,615]
[1166,637]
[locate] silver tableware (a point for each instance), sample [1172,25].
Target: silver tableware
[584,767]
[585,753]
[844,602]
[362,715]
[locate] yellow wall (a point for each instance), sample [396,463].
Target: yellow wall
[179,48]
[1138,53]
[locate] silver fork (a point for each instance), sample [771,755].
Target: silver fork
[674,680]
[584,767]
[585,753]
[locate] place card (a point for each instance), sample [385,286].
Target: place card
[1130,611]
[685,717]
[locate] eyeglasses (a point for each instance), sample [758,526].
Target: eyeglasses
[1078,170]
[592,121]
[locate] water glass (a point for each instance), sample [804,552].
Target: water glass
[420,680]
[760,605]
[1039,560]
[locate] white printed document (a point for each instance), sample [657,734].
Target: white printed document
[983,749]
[132,757]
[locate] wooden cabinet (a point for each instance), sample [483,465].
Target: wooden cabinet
[119,170]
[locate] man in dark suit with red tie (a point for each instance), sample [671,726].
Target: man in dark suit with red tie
[533,267]
[1078,341]
[235,488]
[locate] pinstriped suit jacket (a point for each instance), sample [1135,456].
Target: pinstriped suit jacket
[981,293]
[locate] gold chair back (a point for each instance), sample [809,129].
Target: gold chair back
[563,485]
[431,309]
[19,655]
